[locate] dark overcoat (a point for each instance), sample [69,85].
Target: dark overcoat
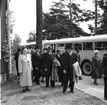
[95,67]
[36,62]
[67,61]
[104,65]
[47,62]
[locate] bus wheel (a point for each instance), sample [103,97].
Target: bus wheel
[87,68]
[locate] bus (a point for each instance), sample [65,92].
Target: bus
[86,45]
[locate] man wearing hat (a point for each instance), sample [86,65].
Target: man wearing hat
[104,74]
[36,62]
[47,62]
[44,52]
[68,58]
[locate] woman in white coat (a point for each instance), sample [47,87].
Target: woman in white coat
[25,71]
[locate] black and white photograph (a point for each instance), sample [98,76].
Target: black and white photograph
[53,52]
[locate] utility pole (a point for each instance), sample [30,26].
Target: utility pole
[95,17]
[39,24]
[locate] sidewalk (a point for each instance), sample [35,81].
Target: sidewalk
[86,85]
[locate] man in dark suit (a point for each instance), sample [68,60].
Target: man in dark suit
[36,63]
[47,62]
[68,58]
[16,59]
[104,74]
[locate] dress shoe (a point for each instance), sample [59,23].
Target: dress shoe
[24,90]
[63,91]
[27,89]
[47,85]
[95,83]
[71,91]
[105,99]
[80,78]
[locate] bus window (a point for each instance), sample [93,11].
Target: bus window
[88,46]
[101,45]
[78,46]
[60,45]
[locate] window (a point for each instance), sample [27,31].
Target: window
[61,45]
[101,45]
[78,46]
[88,46]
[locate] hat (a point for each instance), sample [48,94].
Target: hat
[45,49]
[68,46]
[49,48]
[96,51]
[36,47]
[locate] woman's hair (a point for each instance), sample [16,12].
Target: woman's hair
[22,50]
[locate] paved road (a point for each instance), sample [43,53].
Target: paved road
[86,85]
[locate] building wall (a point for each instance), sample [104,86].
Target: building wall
[0,33]
[3,70]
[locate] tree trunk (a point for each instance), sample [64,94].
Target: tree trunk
[39,23]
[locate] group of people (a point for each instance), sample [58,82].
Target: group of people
[53,66]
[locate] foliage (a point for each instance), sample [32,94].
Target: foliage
[15,44]
[101,18]
[11,22]
[56,23]
[103,21]
[5,50]
[4,44]
[32,37]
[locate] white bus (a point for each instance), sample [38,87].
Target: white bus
[86,44]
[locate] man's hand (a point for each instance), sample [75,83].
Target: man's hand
[46,70]
[102,76]
[64,71]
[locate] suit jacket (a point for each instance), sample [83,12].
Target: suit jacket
[104,65]
[16,58]
[67,62]
[36,61]
[47,62]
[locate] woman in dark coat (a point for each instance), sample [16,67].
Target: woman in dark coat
[95,66]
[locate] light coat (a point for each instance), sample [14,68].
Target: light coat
[24,66]
[77,71]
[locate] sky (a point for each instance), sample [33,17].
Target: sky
[24,12]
